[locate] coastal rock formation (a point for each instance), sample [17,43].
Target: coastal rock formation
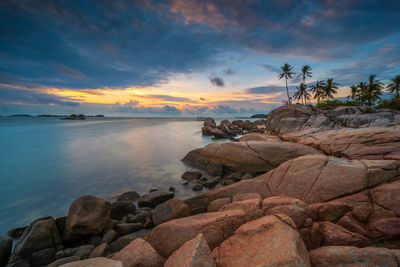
[315,178]
[139,253]
[227,129]
[98,262]
[155,198]
[268,241]
[192,254]
[335,256]
[88,215]
[169,210]
[5,249]
[249,156]
[215,227]
[295,118]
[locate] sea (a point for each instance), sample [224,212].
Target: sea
[46,163]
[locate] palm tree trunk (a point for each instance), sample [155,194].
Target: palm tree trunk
[318,99]
[287,91]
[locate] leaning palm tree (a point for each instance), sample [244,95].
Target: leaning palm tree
[302,93]
[394,87]
[373,90]
[287,74]
[354,91]
[318,90]
[306,72]
[330,88]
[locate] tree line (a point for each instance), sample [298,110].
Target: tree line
[364,93]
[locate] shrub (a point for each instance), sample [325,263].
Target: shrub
[336,103]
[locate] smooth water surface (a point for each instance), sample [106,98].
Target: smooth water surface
[46,163]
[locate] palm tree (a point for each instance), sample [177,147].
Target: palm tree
[373,90]
[362,89]
[318,90]
[287,74]
[394,87]
[306,72]
[354,91]
[302,93]
[330,88]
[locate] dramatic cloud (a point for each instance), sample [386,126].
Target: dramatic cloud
[270,68]
[217,81]
[270,89]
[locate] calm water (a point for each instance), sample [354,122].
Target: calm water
[46,163]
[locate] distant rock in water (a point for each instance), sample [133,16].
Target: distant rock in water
[75,117]
[259,116]
[228,130]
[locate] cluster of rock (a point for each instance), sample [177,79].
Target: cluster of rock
[228,130]
[318,188]
[75,117]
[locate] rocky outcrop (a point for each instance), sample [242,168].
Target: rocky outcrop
[335,256]
[5,249]
[88,215]
[192,254]
[249,156]
[227,129]
[215,226]
[155,198]
[139,253]
[296,118]
[268,241]
[260,137]
[315,178]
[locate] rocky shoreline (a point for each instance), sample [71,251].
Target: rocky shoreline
[306,187]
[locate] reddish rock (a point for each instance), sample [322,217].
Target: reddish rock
[88,215]
[380,213]
[260,137]
[387,196]
[336,235]
[361,213]
[251,207]
[215,226]
[312,236]
[351,224]
[98,262]
[294,208]
[384,228]
[246,196]
[328,211]
[194,253]
[139,253]
[217,204]
[267,241]
[169,210]
[338,256]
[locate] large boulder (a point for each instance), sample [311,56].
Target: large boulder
[120,209]
[386,228]
[268,241]
[249,156]
[315,178]
[88,215]
[153,199]
[39,242]
[215,226]
[217,204]
[139,253]
[192,254]
[338,256]
[260,137]
[5,249]
[169,210]
[336,235]
[98,262]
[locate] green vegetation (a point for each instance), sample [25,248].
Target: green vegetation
[366,94]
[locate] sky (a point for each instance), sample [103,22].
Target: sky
[185,57]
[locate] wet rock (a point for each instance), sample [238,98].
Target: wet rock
[120,209]
[5,249]
[16,232]
[197,187]
[172,189]
[153,189]
[210,122]
[139,253]
[215,169]
[210,182]
[88,215]
[153,199]
[128,196]
[191,175]
[83,252]
[337,256]
[98,262]
[193,253]
[215,226]
[267,241]
[169,210]
[127,228]
[217,204]
[122,241]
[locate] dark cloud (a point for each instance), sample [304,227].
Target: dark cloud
[271,68]
[229,71]
[202,99]
[217,81]
[135,107]
[170,98]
